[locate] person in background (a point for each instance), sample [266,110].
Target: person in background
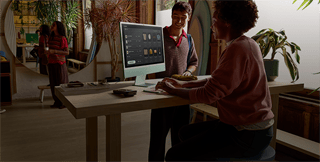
[238,85]
[176,50]
[34,52]
[44,38]
[58,49]
[2,58]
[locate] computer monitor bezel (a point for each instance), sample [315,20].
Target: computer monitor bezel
[141,71]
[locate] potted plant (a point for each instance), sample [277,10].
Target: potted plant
[105,17]
[268,39]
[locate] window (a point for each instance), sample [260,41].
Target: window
[87,31]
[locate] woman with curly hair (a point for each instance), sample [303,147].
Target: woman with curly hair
[58,49]
[238,85]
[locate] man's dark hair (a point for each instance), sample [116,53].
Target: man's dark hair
[183,6]
[240,14]
[45,30]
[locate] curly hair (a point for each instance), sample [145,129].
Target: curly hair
[182,6]
[45,30]
[61,29]
[240,14]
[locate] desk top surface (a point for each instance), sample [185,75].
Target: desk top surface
[91,102]
[26,45]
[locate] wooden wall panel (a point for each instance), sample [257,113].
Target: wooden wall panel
[299,117]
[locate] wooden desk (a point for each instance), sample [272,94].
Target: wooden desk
[23,51]
[92,103]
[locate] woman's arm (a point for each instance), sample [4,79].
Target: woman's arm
[59,52]
[185,84]
[194,84]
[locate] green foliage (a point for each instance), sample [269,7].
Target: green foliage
[47,11]
[305,3]
[70,17]
[268,39]
[22,31]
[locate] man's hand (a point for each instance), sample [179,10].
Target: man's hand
[187,73]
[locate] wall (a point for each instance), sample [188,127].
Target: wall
[301,27]
[27,80]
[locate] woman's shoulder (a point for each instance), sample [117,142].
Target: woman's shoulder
[243,42]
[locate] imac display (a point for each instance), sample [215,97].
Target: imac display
[32,38]
[142,50]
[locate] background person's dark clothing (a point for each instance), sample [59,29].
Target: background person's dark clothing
[162,120]
[58,74]
[209,140]
[42,67]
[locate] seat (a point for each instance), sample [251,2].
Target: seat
[267,154]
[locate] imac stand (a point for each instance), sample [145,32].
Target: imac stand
[141,81]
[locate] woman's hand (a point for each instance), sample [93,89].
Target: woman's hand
[174,82]
[166,85]
[49,52]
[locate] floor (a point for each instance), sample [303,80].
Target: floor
[32,131]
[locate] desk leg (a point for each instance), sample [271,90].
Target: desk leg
[92,138]
[23,55]
[275,105]
[113,137]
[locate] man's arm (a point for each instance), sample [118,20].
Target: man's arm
[189,71]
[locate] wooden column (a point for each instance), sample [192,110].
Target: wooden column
[113,137]
[92,139]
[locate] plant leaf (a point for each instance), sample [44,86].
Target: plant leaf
[315,89]
[288,64]
[310,1]
[303,3]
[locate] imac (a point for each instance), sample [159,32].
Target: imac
[32,38]
[142,50]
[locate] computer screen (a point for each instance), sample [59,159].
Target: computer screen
[32,38]
[142,49]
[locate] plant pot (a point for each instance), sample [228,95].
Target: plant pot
[271,68]
[113,80]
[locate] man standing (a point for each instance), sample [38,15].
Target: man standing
[176,49]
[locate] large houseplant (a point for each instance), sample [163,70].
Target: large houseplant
[47,12]
[70,16]
[268,39]
[105,17]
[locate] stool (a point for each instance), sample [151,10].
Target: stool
[42,88]
[267,154]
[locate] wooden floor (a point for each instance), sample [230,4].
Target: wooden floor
[32,131]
